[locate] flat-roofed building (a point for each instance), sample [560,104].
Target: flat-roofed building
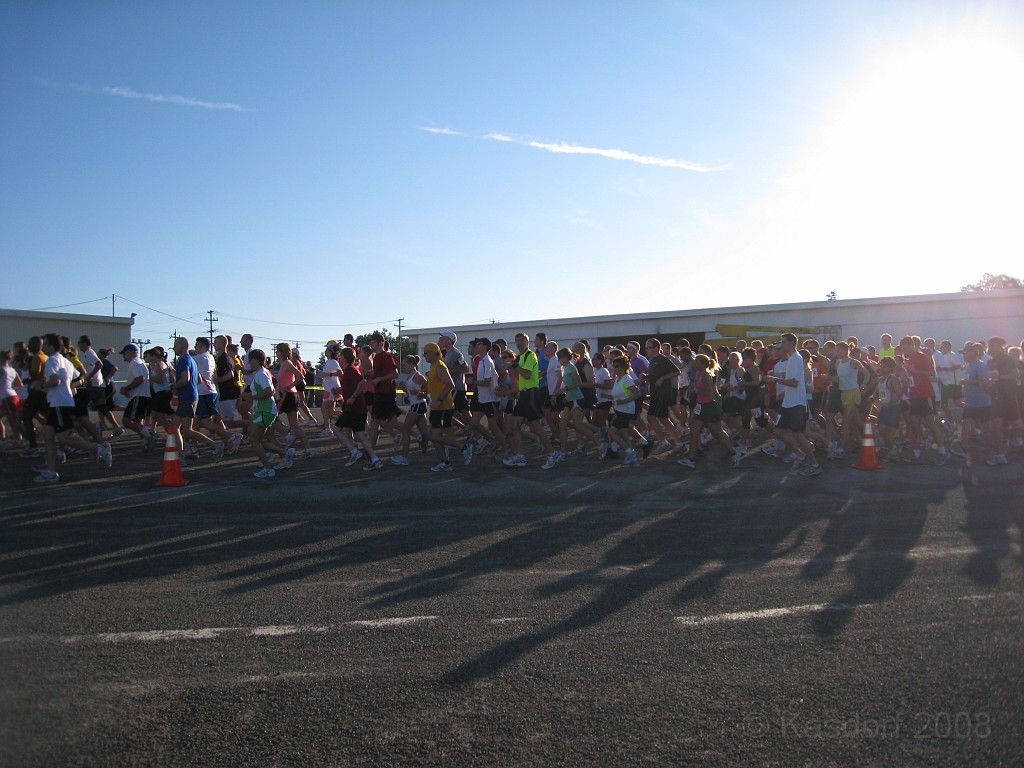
[958,317]
[104,330]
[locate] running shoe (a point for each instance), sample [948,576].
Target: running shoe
[686,462]
[737,457]
[236,440]
[289,458]
[811,470]
[602,450]
[646,448]
[116,433]
[328,432]
[309,453]
[467,453]
[444,466]
[147,442]
[663,447]
[265,472]
[47,478]
[355,457]
[552,461]
[218,450]
[771,450]
[996,460]
[631,460]
[400,461]
[373,466]
[943,458]
[580,450]
[516,460]
[104,456]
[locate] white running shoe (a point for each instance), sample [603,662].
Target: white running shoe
[265,472]
[552,461]
[236,440]
[104,456]
[444,466]
[355,457]
[516,460]
[400,461]
[218,451]
[46,478]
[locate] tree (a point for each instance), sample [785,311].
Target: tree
[399,347]
[990,282]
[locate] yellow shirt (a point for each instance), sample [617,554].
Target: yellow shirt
[436,385]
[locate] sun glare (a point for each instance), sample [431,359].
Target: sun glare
[922,156]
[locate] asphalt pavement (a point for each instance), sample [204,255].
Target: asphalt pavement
[593,614]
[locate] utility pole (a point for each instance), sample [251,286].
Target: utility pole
[400,352]
[174,338]
[211,320]
[141,344]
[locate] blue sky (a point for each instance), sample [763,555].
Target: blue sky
[336,166]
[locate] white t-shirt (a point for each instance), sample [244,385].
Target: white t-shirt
[554,375]
[485,370]
[205,365]
[7,375]
[60,396]
[601,375]
[137,368]
[793,368]
[331,373]
[620,390]
[949,361]
[88,358]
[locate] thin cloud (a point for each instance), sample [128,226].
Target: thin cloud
[183,101]
[562,148]
[441,131]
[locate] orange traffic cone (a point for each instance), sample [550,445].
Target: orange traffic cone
[868,459]
[172,477]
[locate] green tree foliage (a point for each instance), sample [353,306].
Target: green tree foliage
[399,350]
[990,282]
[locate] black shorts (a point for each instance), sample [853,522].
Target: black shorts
[555,407]
[487,409]
[461,403]
[137,409]
[1005,406]
[922,406]
[441,419]
[419,408]
[385,407]
[794,419]
[36,401]
[368,399]
[708,413]
[186,409]
[603,406]
[734,406]
[817,400]
[98,398]
[82,401]
[621,420]
[527,405]
[354,420]
[661,403]
[289,404]
[161,402]
[61,418]
[980,415]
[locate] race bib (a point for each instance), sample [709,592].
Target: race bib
[696,409]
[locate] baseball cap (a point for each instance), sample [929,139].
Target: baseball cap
[450,335]
[130,348]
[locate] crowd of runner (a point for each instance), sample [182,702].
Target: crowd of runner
[807,402]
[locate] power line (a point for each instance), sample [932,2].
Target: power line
[306,325]
[182,319]
[62,306]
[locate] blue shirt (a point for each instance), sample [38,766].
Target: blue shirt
[975,396]
[189,393]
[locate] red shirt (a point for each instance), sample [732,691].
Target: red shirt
[922,384]
[350,380]
[383,365]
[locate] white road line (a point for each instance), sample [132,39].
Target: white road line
[391,622]
[213,633]
[766,613]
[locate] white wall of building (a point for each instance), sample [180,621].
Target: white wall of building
[958,317]
[105,331]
